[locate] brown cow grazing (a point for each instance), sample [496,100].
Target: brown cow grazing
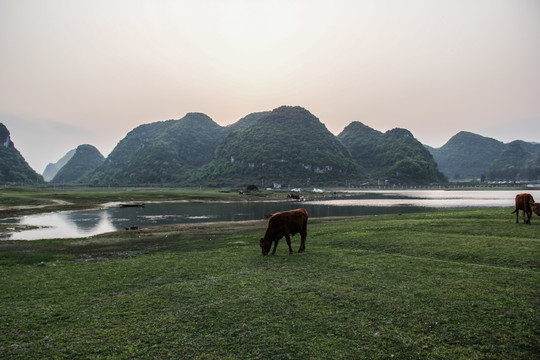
[287,223]
[525,203]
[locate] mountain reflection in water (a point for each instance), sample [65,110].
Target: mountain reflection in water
[77,224]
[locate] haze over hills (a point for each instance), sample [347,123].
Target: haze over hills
[13,168]
[85,159]
[520,161]
[52,169]
[469,156]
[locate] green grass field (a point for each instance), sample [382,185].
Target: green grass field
[438,285]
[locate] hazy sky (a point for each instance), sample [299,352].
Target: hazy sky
[77,71]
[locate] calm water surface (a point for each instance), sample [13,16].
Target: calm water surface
[76,224]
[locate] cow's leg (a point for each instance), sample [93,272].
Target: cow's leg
[529,214]
[302,241]
[275,246]
[288,238]
[517,216]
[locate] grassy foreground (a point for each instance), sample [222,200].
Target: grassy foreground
[438,285]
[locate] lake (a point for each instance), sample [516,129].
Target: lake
[77,224]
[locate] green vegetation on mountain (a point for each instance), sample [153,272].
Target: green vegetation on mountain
[289,146]
[395,156]
[164,152]
[468,156]
[515,163]
[13,168]
[85,159]
[246,121]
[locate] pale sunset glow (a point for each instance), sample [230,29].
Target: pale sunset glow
[75,72]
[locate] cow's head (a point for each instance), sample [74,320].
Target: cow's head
[265,246]
[535,207]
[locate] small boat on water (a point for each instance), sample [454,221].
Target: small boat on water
[132,205]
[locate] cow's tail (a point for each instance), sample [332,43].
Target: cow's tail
[515,210]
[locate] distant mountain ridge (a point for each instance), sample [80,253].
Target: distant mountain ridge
[13,168]
[52,169]
[469,156]
[287,145]
[520,161]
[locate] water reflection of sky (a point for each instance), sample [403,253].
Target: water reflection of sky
[429,203]
[70,224]
[77,224]
[438,199]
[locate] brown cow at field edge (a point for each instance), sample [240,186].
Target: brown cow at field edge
[525,203]
[287,223]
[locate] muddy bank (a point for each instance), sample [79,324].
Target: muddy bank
[129,243]
[15,202]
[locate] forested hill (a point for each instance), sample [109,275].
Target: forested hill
[165,152]
[520,161]
[85,159]
[395,156]
[13,168]
[289,146]
[468,156]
